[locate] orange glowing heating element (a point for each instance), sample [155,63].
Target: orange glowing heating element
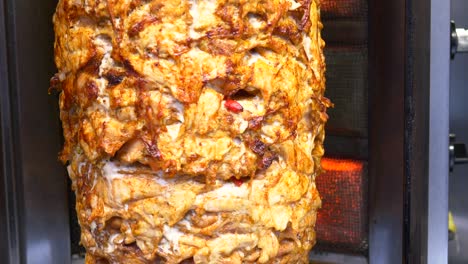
[341,165]
[342,221]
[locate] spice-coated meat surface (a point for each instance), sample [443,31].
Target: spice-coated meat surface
[193,128]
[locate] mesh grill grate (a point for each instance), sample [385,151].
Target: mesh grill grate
[342,222]
[347,88]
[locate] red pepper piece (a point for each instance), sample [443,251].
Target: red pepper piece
[237,182]
[233,106]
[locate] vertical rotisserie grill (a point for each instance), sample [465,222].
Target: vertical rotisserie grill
[406,157]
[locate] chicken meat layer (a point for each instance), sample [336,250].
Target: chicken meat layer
[193,128]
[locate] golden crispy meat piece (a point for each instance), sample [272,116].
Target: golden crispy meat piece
[193,128]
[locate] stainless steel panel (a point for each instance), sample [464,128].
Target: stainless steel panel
[427,133]
[387,60]
[437,241]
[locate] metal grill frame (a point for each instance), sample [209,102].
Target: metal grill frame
[408,62]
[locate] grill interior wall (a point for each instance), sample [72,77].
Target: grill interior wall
[342,224]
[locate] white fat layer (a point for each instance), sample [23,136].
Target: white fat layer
[93,226]
[175,34]
[228,190]
[270,132]
[80,166]
[112,171]
[164,245]
[117,22]
[62,76]
[113,237]
[308,142]
[186,223]
[102,85]
[161,181]
[104,101]
[306,42]
[243,126]
[110,245]
[110,248]
[104,43]
[255,21]
[294,5]
[167,101]
[70,171]
[253,105]
[228,197]
[103,97]
[180,110]
[301,64]
[169,182]
[200,11]
[106,63]
[231,190]
[173,130]
[87,6]
[94,179]
[172,235]
[254,57]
